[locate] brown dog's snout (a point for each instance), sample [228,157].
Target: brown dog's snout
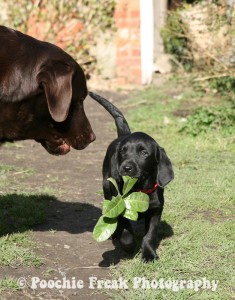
[84,140]
[92,137]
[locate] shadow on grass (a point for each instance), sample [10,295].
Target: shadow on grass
[19,213]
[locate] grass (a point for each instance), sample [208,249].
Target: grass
[7,171]
[198,203]
[19,211]
[15,250]
[9,284]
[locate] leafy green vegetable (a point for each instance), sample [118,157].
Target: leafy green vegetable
[104,228]
[128,184]
[115,207]
[130,214]
[114,182]
[128,205]
[137,202]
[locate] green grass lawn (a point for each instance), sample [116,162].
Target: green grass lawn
[199,203]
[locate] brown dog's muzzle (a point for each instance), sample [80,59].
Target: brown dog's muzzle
[75,132]
[62,137]
[62,146]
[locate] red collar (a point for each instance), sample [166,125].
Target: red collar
[150,191]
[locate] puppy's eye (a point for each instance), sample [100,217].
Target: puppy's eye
[122,150]
[143,153]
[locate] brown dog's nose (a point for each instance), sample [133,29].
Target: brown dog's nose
[92,137]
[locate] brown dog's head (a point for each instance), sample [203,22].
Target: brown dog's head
[64,85]
[42,90]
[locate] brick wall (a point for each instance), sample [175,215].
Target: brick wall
[127,17]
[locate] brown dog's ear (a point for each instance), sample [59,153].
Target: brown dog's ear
[165,170]
[56,80]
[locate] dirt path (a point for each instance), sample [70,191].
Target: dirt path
[65,239]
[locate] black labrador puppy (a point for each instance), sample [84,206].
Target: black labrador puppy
[136,155]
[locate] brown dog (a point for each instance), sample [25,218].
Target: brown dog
[42,90]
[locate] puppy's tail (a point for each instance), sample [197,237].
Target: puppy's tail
[121,123]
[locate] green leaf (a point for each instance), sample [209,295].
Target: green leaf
[129,182]
[130,214]
[114,182]
[104,228]
[115,207]
[105,206]
[137,201]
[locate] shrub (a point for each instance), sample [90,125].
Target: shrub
[72,25]
[175,39]
[205,119]
[223,84]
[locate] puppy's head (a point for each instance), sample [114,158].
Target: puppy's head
[141,157]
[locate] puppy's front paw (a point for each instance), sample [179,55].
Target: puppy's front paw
[148,253]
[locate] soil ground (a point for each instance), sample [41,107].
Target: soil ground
[65,240]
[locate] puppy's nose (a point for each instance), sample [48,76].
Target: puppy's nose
[127,168]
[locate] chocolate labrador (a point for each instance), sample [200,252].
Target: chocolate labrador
[42,90]
[136,155]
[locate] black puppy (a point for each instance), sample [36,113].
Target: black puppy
[136,155]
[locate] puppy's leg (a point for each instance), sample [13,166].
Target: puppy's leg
[149,242]
[124,234]
[107,189]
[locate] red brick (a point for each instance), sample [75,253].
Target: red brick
[123,61]
[134,61]
[123,53]
[135,14]
[134,23]
[123,72]
[136,71]
[122,23]
[134,5]
[135,52]
[120,14]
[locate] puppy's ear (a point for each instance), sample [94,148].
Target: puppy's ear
[165,170]
[56,80]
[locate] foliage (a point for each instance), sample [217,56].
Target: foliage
[128,204]
[8,284]
[223,84]
[205,119]
[212,21]
[175,39]
[72,25]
